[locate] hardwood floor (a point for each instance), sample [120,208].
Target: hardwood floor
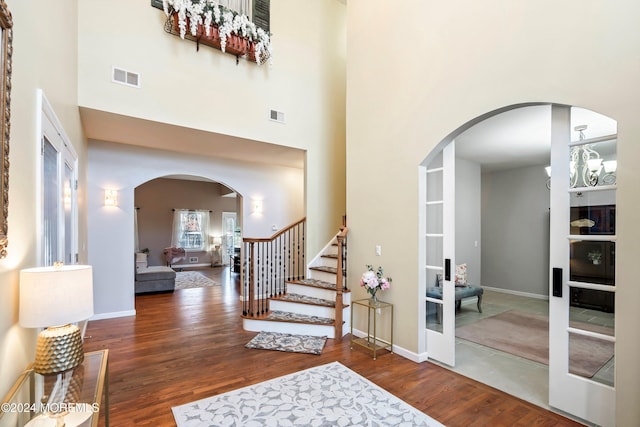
[188,345]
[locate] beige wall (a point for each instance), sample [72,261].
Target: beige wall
[206,90]
[47,63]
[449,63]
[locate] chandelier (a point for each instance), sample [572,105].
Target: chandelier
[587,166]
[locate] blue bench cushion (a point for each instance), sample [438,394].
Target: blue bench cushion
[462,291]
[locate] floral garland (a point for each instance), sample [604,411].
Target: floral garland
[210,12]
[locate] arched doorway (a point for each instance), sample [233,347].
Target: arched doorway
[156,202]
[464,235]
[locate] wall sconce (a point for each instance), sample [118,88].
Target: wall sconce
[257,206]
[111,197]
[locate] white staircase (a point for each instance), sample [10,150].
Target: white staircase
[308,306]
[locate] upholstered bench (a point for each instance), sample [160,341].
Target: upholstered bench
[155,279]
[462,291]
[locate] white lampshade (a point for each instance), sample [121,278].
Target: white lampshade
[55,296]
[610,166]
[594,165]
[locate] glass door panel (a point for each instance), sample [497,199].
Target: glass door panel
[582,280]
[439,229]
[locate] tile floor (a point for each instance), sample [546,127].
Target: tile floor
[520,377]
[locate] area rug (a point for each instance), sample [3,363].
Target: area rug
[287,342]
[527,335]
[192,279]
[326,395]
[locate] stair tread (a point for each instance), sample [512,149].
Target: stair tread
[305,299]
[316,283]
[284,316]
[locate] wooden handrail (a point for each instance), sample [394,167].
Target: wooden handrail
[276,235]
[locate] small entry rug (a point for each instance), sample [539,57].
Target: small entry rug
[527,335]
[192,279]
[287,342]
[326,395]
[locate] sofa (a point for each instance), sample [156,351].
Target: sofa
[153,279]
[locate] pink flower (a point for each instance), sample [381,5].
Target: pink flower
[373,280]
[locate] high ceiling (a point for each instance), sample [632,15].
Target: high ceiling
[515,138]
[521,137]
[104,126]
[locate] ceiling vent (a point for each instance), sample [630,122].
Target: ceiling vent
[126,77]
[276,116]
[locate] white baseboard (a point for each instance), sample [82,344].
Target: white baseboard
[400,351]
[113,314]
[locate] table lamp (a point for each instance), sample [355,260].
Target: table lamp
[54,298]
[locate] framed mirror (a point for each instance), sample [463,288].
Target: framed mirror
[6,39]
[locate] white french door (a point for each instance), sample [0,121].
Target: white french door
[437,250]
[582,277]
[59,223]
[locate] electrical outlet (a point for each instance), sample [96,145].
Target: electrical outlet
[378,250]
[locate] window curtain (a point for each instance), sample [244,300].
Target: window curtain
[190,230]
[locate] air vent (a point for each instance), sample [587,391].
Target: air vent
[126,77]
[276,116]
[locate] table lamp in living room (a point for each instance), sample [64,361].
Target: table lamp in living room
[54,298]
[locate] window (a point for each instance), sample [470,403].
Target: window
[59,225]
[190,230]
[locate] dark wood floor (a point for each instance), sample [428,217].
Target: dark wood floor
[189,345]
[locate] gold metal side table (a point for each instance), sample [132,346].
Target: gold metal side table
[74,398]
[371,340]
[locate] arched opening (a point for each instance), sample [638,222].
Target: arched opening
[502,235]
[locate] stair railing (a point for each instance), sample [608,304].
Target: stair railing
[341,282]
[269,263]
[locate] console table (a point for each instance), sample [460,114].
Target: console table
[74,397]
[371,340]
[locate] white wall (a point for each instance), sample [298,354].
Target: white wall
[515,230]
[124,167]
[468,216]
[206,90]
[447,63]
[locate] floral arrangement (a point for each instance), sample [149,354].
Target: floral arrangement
[374,281]
[209,13]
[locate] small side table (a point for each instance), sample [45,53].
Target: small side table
[374,310]
[82,393]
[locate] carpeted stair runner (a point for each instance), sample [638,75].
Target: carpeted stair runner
[305,299]
[283,316]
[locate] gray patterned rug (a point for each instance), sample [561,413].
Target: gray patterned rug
[192,279]
[287,342]
[327,395]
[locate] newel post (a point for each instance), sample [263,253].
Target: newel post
[339,288]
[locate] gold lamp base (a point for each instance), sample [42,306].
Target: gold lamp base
[58,349]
